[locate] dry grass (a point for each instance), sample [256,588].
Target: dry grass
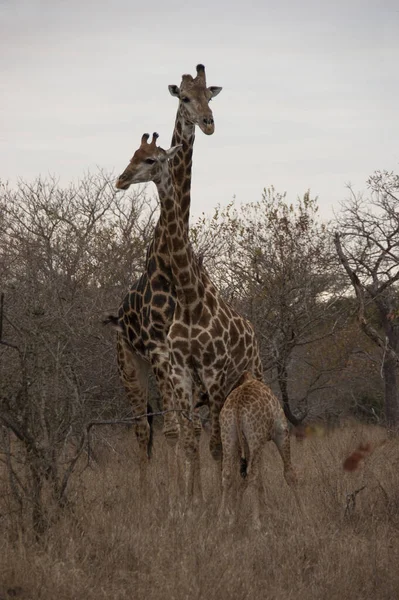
[112,545]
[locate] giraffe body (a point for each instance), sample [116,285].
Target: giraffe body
[147,310]
[208,340]
[250,417]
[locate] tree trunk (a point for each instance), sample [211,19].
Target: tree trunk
[391,392]
[390,365]
[282,377]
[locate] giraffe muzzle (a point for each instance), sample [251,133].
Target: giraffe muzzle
[207,125]
[121,184]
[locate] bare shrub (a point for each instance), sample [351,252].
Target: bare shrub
[66,256]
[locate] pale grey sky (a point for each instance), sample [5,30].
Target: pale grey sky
[310,90]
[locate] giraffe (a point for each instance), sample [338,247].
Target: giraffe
[147,309]
[207,340]
[250,417]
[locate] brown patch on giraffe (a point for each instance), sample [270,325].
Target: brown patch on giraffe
[169,204]
[185,205]
[224,321]
[205,317]
[180,259]
[196,313]
[196,331]
[173,229]
[179,173]
[180,330]
[233,334]
[178,357]
[191,295]
[211,301]
[196,348]
[219,347]
[204,338]
[207,358]
[247,337]
[158,285]
[181,346]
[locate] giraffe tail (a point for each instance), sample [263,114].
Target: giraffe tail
[150,419]
[113,321]
[243,467]
[241,445]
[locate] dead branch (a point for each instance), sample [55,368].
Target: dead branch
[368,329]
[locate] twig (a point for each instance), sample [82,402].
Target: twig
[351,501]
[129,421]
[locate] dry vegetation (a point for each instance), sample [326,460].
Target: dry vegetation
[66,257]
[110,544]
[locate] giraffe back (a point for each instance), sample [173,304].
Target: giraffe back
[257,414]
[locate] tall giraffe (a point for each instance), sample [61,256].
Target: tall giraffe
[146,312]
[208,340]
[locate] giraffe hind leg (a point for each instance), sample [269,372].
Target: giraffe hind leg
[134,375]
[281,438]
[229,440]
[254,488]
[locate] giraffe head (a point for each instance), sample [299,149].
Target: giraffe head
[194,97]
[147,163]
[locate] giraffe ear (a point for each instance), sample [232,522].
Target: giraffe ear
[173,151]
[174,90]
[215,90]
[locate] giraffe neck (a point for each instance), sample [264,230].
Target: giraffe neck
[185,269]
[184,134]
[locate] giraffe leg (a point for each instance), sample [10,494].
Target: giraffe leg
[171,427]
[134,373]
[161,368]
[197,425]
[281,438]
[181,380]
[229,463]
[192,462]
[215,444]
[254,486]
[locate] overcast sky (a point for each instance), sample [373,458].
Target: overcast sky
[310,90]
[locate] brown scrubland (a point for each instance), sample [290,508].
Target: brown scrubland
[110,541]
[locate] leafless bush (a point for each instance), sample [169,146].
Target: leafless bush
[66,256]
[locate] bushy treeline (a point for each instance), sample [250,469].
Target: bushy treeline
[68,255]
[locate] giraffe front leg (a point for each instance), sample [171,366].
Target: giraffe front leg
[134,376]
[161,368]
[215,444]
[192,488]
[183,399]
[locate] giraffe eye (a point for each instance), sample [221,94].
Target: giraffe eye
[185,99]
[149,161]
